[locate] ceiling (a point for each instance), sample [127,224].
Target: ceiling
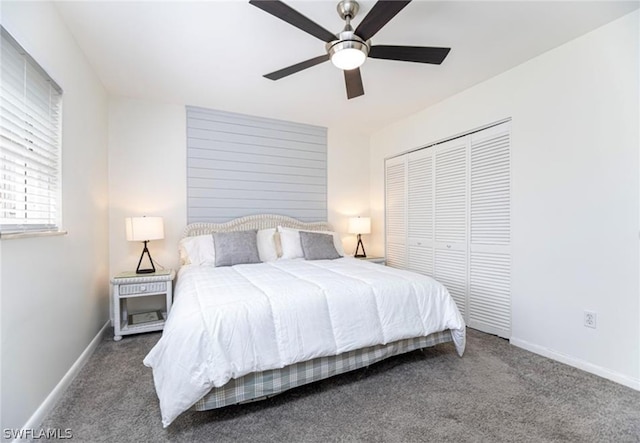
[214,53]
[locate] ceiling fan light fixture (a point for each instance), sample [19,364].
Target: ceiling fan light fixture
[349,52]
[348,58]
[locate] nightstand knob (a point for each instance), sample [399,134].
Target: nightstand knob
[143,288]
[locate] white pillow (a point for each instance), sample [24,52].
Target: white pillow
[267,245]
[198,250]
[290,241]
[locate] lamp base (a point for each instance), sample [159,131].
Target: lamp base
[148,270]
[364,254]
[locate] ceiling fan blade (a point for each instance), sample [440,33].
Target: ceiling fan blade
[353,80]
[419,54]
[293,17]
[378,16]
[276,75]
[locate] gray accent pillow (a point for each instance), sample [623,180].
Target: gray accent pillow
[236,248]
[316,246]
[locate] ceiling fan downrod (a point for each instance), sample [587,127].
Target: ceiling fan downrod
[347,9]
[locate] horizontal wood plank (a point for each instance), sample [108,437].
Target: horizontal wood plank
[241,165]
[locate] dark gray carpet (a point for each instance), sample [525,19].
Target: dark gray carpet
[495,393]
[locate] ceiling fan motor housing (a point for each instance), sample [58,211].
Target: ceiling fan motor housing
[347,39]
[348,8]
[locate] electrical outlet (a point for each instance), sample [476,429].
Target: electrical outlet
[590,318]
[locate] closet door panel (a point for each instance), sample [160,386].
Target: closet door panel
[420,259]
[490,191]
[451,271]
[396,211]
[490,231]
[420,195]
[451,192]
[396,255]
[420,186]
[490,292]
[450,202]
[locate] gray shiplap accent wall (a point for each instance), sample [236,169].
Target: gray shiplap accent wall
[241,165]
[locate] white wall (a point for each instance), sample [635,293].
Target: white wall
[54,290]
[576,200]
[147,176]
[348,182]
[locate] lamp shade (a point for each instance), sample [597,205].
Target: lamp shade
[144,228]
[359,225]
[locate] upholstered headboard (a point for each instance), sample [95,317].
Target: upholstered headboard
[262,221]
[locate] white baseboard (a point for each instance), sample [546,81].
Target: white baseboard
[633,383]
[47,405]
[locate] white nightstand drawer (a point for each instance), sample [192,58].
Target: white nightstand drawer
[143,288]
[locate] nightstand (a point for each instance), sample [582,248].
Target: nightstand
[377,260]
[128,285]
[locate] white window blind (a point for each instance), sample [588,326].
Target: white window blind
[30,132]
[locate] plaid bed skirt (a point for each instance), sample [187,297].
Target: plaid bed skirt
[259,385]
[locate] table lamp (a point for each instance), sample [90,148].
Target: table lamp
[144,229]
[360,225]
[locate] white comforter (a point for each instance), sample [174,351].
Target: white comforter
[227,322]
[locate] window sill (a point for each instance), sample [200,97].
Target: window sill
[16,235]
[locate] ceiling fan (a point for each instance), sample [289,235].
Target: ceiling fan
[349,49]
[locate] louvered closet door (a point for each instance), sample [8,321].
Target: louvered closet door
[420,201]
[490,231]
[450,247]
[396,211]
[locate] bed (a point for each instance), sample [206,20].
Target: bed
[251,330]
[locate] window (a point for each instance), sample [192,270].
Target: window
[30,133]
